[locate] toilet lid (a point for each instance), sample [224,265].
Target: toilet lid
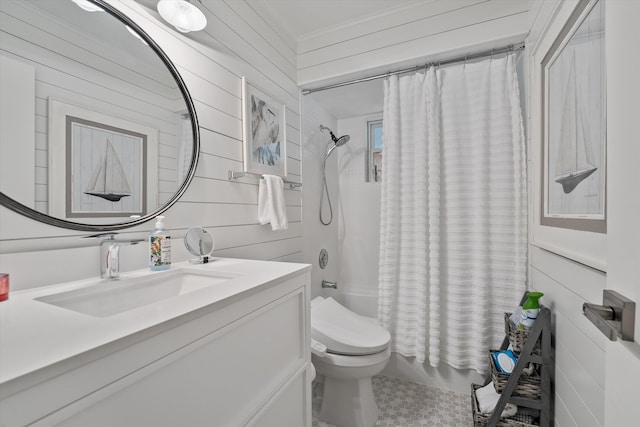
[343,331]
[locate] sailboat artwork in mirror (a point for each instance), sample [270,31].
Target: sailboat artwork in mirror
[107,170]
[109,180]
[574,156]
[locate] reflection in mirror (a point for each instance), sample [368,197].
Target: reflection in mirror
[199,243]
[97,130]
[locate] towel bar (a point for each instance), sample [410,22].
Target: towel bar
[232,175]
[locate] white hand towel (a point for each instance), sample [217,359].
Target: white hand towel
[488,398]
[271,206]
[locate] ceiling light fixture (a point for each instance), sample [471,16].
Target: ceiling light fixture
[88,6]
[182,15]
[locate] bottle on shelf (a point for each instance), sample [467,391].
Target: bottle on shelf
[530,309]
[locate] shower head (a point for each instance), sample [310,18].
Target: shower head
[342,140]
[337,142]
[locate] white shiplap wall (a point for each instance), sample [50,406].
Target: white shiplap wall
[579,347]
[406,36]
[236,43]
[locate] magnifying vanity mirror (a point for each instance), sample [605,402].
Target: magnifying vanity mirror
[97,129]
[199,243]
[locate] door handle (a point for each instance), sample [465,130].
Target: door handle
[615,317]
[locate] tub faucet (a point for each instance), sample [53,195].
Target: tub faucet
[110,254]
[328,284]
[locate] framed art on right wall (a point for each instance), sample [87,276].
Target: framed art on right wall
[573,193]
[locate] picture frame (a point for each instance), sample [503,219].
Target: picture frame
[264,132]
[101,166]
[106,170]
[573,175]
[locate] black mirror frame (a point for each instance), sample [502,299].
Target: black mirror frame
[21,209]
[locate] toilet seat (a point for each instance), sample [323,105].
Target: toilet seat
[344,361]
[344,332]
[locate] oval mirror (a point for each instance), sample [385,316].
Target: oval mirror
[97,129]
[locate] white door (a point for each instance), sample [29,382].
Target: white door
[623,202]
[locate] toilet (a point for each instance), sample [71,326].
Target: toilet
[348,350]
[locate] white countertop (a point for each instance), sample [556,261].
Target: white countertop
[35,334]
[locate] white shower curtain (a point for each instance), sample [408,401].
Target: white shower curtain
[453,211]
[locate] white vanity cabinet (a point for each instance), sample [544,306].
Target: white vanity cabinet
[244,362]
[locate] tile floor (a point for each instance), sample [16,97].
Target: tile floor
[409,404]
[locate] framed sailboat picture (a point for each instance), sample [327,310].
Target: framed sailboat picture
[106,171]
[574,131]
[101,166]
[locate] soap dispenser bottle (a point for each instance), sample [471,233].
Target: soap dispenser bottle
[159,247]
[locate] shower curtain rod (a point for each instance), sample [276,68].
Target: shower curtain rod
[506,49]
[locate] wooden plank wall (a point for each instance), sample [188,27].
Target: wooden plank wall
[405,36]
[579,346]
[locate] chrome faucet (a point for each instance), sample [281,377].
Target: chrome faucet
[110,254]
[327,284]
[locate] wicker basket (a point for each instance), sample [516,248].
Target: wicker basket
[482,420]
[518,337]
[528,385]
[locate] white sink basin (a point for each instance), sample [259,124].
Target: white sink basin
[108,297]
